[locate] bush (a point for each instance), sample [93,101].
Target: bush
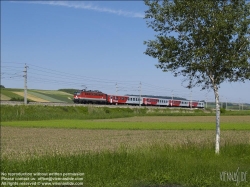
[19,99]
[222,110]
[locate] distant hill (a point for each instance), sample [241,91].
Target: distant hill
[12,94]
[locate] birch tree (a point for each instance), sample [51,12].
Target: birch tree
[206,42]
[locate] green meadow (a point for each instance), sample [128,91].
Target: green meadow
[119,125]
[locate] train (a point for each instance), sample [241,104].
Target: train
[98,97]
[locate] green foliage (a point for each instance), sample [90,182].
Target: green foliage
[19,99]
[204,41]
[222,110]
[39,112]
[16,99]
[2,86]
[155,165]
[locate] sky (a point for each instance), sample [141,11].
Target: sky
[96,45]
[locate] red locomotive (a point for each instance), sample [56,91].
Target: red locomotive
[90,96]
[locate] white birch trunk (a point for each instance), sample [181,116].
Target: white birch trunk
[217,138]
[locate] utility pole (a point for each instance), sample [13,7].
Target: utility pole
[226,103]
[116,88]
[206,100]
[221,105]
[25,84]
[191,99]
[172,99]
[140,95]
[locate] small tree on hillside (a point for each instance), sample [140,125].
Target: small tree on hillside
[207,42]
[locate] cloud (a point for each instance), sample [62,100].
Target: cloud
[83,5]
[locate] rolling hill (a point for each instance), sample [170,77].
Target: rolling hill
[12,94]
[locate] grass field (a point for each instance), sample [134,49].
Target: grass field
[143,123]
[141,151]
[27,142]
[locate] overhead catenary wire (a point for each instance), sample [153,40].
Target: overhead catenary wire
[46,76]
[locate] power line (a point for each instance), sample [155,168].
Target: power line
[55,77]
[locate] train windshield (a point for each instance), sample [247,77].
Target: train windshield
[78,92]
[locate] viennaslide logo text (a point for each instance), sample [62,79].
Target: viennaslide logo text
[234,176]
